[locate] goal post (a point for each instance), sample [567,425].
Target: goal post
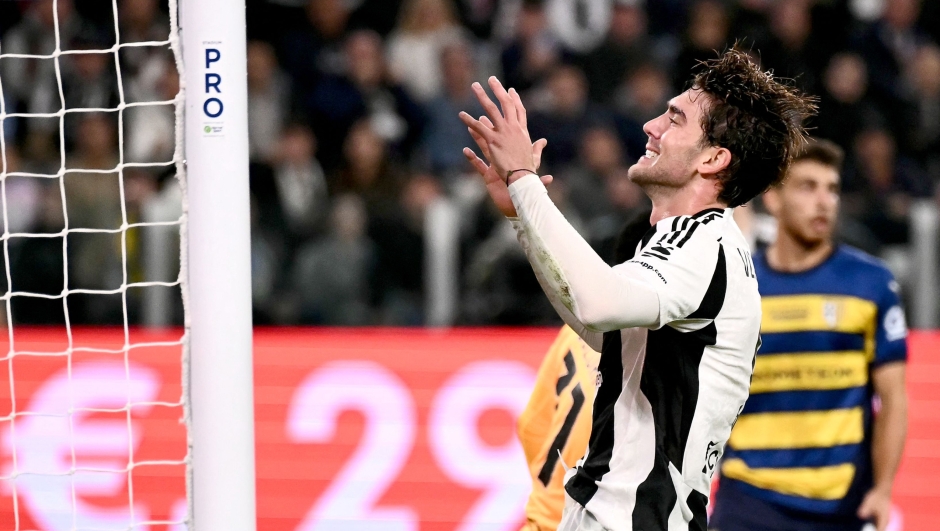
[217,258]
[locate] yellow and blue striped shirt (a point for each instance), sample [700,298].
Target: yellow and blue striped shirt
[803,438]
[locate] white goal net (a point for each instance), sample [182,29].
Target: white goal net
[92,184]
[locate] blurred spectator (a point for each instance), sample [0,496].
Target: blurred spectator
[29,85]
[598,188]
[22,194]
[889,45]
[289,205]
[924,79]
[625,200]
[331,277]
[364,92]
[446,135]
[301,184]
[316,48]
[706,33]
[561,113]
[414,49]
[93,201]
[140,186]
[399,238]
[533,51]
[268,100]
[140,21]
[790,49]
[844,107]
[89,79]
[580,26]
[367,170]
[36,264]
[642,97]
[881,185]
[150,129]
[627,46]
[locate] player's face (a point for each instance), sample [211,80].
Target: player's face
[674,143]
[807,203]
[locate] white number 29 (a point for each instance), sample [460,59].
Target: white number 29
[349,502]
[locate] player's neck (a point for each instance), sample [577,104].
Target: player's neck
[669,202]
[790,255]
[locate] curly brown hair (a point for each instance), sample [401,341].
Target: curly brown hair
[758,118]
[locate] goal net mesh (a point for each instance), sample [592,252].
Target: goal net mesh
[93,421]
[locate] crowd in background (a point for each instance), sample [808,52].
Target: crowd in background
[354,134]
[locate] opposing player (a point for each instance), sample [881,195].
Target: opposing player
[677,326]
[555,426]
[807,452]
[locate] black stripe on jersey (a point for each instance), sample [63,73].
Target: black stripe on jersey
[670,382]
[688,235]
[561,439]
[708,211]
[648,236]
[676,234]
[714,297]
[655,497]
[566,378]
[581,487]
[697,502]
[709,218]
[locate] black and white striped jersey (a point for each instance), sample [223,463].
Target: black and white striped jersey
[678,327]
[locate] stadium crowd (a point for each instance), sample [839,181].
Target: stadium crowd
[354,134]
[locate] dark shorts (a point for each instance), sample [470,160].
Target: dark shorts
[736,510]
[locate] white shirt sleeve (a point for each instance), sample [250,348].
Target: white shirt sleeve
[593,297]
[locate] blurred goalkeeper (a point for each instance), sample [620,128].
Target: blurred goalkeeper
[808,452]
[677,326]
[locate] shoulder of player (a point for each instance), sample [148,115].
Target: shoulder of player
[864,271]
[860,261]
[678,231]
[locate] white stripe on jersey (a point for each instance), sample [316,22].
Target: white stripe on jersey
[677,327]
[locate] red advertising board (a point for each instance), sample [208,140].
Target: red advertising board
[407,429]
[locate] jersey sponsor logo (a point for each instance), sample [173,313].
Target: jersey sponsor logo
[806,371]
[651,268]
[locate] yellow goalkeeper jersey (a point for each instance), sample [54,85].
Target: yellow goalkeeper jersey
[557,419]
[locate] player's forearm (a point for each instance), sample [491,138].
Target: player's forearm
[888,435]
[591,337]
[572,272]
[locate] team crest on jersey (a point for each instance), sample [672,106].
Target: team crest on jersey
[712,453]
[831,313]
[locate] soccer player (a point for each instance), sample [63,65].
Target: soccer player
[808,452]
[555,426]
[677,326]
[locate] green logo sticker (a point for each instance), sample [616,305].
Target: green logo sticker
[207,129]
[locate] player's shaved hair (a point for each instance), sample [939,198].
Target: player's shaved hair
[758,118]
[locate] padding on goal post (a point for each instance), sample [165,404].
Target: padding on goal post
[96,423]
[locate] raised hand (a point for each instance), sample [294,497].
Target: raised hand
[506,133]
[495,184]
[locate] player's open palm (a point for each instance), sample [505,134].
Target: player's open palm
[510,147]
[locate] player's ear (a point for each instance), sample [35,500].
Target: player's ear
[716,159]
[771,200]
